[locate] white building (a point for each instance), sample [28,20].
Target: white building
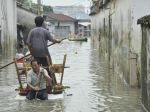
[61,25]
[84,28]
[7,22]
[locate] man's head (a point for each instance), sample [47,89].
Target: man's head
[39,21]
[35,64]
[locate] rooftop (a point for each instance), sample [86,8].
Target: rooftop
[60,17]
[144,20]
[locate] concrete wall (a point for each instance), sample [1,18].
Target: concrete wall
[145,67]
[25,18]
[148,69]
[7,23]
[117,35]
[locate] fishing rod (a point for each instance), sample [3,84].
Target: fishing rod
[26,56]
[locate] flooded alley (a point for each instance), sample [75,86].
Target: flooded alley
[93,87]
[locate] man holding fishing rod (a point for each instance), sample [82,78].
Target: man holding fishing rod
[37,43]
[37,78]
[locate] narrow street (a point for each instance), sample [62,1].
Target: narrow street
[93,87]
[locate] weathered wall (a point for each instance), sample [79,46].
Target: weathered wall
[121,38]
[25,18]
[145,67]
[147,82]
[117,35]
[7,23]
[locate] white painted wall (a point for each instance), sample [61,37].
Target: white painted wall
[126,34]
[71,24]
[8,20]
[125,16]
[52,27]
[25,17]
[11,17]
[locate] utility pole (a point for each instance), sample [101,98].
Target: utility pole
[40,8]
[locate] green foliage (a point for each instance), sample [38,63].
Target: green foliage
[25,3]
[21,1]
[47,9]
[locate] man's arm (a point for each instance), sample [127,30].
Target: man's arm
[46,76]
[32,87]
[56,40]
[50,38]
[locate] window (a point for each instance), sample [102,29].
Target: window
[63,27]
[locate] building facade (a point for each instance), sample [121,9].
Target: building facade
[84,28]
[118,37]
[61,25]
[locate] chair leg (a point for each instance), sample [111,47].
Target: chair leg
[52,75]
[64,61]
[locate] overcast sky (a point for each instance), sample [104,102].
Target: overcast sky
[65,2]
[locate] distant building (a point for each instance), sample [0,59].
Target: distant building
[61,25]
[84,28]
[77,12]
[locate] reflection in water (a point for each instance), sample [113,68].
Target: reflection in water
[94,88]
[110,93]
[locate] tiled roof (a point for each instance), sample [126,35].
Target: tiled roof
[144,20]
[60,17]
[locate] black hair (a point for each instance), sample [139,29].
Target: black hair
[39,21]
[35,60]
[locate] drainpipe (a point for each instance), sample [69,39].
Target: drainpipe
[134,77]
[110,36]
[0,38]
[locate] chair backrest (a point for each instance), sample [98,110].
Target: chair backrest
[58,68]
[21,72]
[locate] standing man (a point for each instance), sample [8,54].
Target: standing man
[37,78]
[37,41]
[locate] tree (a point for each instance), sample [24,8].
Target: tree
[21,1]
[47,9]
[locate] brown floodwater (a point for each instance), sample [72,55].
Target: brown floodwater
[93,87]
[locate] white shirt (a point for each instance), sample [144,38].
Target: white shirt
[37,80]
[19,55]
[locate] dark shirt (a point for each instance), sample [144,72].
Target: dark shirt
[38,38]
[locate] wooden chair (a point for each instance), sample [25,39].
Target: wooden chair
[57,69]
[21,70]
